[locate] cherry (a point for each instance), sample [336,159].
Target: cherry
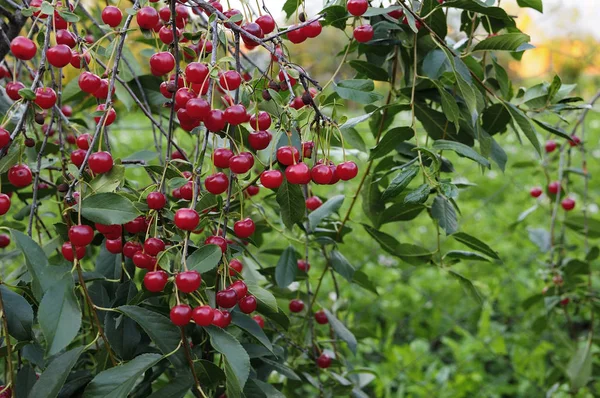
[252,190]
[136,226]
[266,23]
[4,242]
[181,314]
[235,267]
[321,317]
[535,192]
[298,173]
[112,16]
[153,246]
[558,280]
[100,162]
[45,97]
[165,34]
[69,254]
[262,121]
[248,304]
[259,140]
[162,63]
[347,170]
[147,17]
[183,95]
[20,175]
[321,174]
[282,75]
[221,318]
[296,35]
[217,240]
[23,48]
[226,298]
[186,219]
[357,7]
[197,108]
[88,82]
[323,361]
[230,80]
[574,141]
[155,281]
[66,110]
[231,13]
[216,183]
[59,56]
[131,248]
[109,231]
[313,203]
[4,203]
[242,163]
[363,33]
[4,137]
[114,246]
[307,149]
[260,320]
[554,187]
[287,155]
[240,289]
[81,235]
[143,260]
[215,120]
[221,157]
[235,114]
[312,30]
[83,141]
[187,191]
[102,91]
[568,204]
[255,30]
[12,90]
[63,36]
[76,59]
[303,265]
[196,72]
[564,302]
[165,14]
[110,117]
[550,146]
[296,305]
[244,228]
[156,200]
[188,281]
[271,179]
[203,316]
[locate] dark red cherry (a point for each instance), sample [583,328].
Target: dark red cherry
[242,163]
[109,231]
[298,173]
[215,120]
[23,48]
[20,175]
[81,235]
[282,75]
[69,252]
[221,157]
[240,289]
[12,90]
[363,33]
[153,246]
[357,7]
[296,35]
[142,260]
[197,108]
[255,30]
[78,156]
[162,63]
[59,56]
[550,146]
[203,316]
[260,122]
[4,203]
[100,162]
[260,320]
[196,72]
[535,192]
[321,317]
[271,179]
[156,200]
[155,281]
[226,298]
[181,314]
[313,203]
[183,95]
[303,266]
[235,114]
[216,183]
[147,17]
[321,174]
[217,240]
[259,140]
[84,141]
[131,248]
[347,170]
[88,82]
[110,117]
[114,246]
[323,361]
[221,318]
[112,16]
[288,155]
[248,304]
[188,281]
[244,228]
[554,187]
[568,204]
[312,30]
[4,242]
[296,305]
[45,97]
[235,267]
[63,36]
[266,23]
[186,219]
[230,80]
[136,226]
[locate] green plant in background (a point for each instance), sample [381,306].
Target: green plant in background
[170,272]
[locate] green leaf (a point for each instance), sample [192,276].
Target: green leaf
[443,211]
[435,123]
[290,7]
[291,203]
[418,195]
[12,157]
[410,253]
[504,42]
[390,140]
[357,90]
[27,94]
[401,212]
[19,314]
[371,71]
[435,63]
[468,287]
[118,382]
[263,296]
[235,355]
[481,8]
[535,4]
[110,181]
[336,16]
[578,224]
[465,255]
[177,387]
[205,258]
[108,208]
[285,271]
[54,376]
[351,123]
[59,315]
[248,324]
[341,331]
[495,119]
[342,266]
[353,138]
[462,150]
[524,124]
[579,368]
[475,244]
[554,130]
[47,8]
[400,182]
[362,280]
[69,16]
[371,200]
[325,210]
[503,81]
[24,382]
[449,105]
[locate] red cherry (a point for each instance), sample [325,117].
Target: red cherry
[282,75]
[535,192]
[83,141]
[266,23]
[271,179]
[155,281]
[66,110]
[313,203]
[153,246]
[187,191]
[221,318]
[298,173]
[235,114]
[109,231]
[4,242]
[221,157]
[215,120]
[288,155]
[197,108]
[550,146]
[564,302]
[554,187]
[203,316]
[296,35]
[12,90]
[4,137]
[45,97]
[321,174]
[165,34]
[255,30]
[186,219]
[136,226]
[357,7]
[183,95]
[88,82]
[143,260]
[312,30]
[188,281]
[20,175]
[260,122]
[102,91]
[575,140]
[181,314]
[321,317]
[147,17]
[81,235]
[216,183]
[23,48]
[100,162]
[568,204]
[248,304]
[162,63]
[230,80]
[252,190]
[323,361]
[307,149]
[244,228]
[226,298]
[260,320]
[235,267]
[59,56]
[217,240]
[242,163]
[165,14]
[110,118]
[363,33]
[114,246]
[396,14]
[259,140]
[4,203]
[347,170]
[296,305]
[69,254]
[131,248]
[63,36]
[303,266]
[112,16]
[196,72]
[156,200]
[231,13]
[240,289]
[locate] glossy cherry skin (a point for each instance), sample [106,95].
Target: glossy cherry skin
[266,23]
[230,80]
[282,75]
[255,30]
[143,260]
[252,190]
[550,146]
[114,246]
[363,33]
[181,314]
[136,226]
[248,304]
[260,122]
[112,16]
[45,97]
[215,120]
[156,200]
[186,219]
[59,56]
[287,155]
[69,254]
[155,281]
[226,298]
[221,157]
[4,203]
[217,240]
[23,48]
[321,174]
[357,7]
[235,114]
[260,320]
[83,141]
[554,187]
[196,72]
[574,141]
[102,91]
[323,361]
[313,203]
[296,305]
[321,317]
[244,228]
[81,235]
[235,267]
[296,36]
[131,248]
[216,183]
[147,17]
[162,63]
[4,242]
[203,316]
[271,179]
[20,175]
[153,246]
[568,204]
[110,117]
[535,192]
[242,163]
[312,30]
[4,137]
[100,162]
[12,90]
[303,266]
[259,140]
[221,318]
[197,108]
[188,281]
[298,173]
[347,170]
[109,231]
[240,288]
[88,82]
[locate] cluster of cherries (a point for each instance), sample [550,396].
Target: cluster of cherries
[554,187]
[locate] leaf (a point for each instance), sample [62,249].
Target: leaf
[524,125]
[335,16]
[159,328]
[108,208]
[27,94]
[287,266]
[443,211]
[24,382]
[495,119]
[362,280]
[289,7]
[291,203]
[19,314]
[118,382]
[263,296]
[400,182]
[412,254]
[59,315]
[12,157]
[281,369]
[481,8]
[475,244]
[372,204]
[504,42]
[341,331]
[419,195]
[54,376]
[351,123]
[205,258]
[465,255]
[268,389]
[554,130]
[353,138]
[578,224]
[390,140]
[357,90]
[325,210]
[342,266]
[177,387]
[579,368]
[371,71]
[248,324]
[435,63]
[462,150]
[435,123]
[449,105]
[110,181]
[401,212]
[468,287]
[235,355]
[535,4]
[503,81]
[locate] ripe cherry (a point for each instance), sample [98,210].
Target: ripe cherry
[312,30]
[568,204]
[112,16]
[313,203]
[110,117]
[102,91]
[197,108]
[83,141]
[59,56]
[574,141]
[296,305]
[45,97]
[183,95]
[215,120]
[221,157]
[188,281]
[260,320]
[248,304]
[252,190]
[259,140]
[321,317]
[186,219]
[230,80]
[162,63]
[4,242]
[347,170]
[550,146]
[260,122]
[266,23]
[255,30]
[114,246]
[203,316]
[187,191]
[363,33]
[240,289]
[298,173]
[196,72]
[307,149]
[136,226]
[88,82]
[181,314]
[235,267]
[282,76]
[23,48]
[63,36]
[244,228]
[147,17]
[235,114]
[4,203]
[217,240]
[271,179]
[221,318]
[67,110]
[323,361]
[216,183]
[226,298]
[131,248]
[4,137]
[554,187]
[535,192]
[69,252]
[564,302]
[156,200]
[109,231]
[321,174]
[303,265]
[81,235]
[357,7]
[296,35]
[288,155]
[143,260]
[155,281]
[153,246]
[20,175]
[165,34]
[12,90]
[242,163]
[100,162]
